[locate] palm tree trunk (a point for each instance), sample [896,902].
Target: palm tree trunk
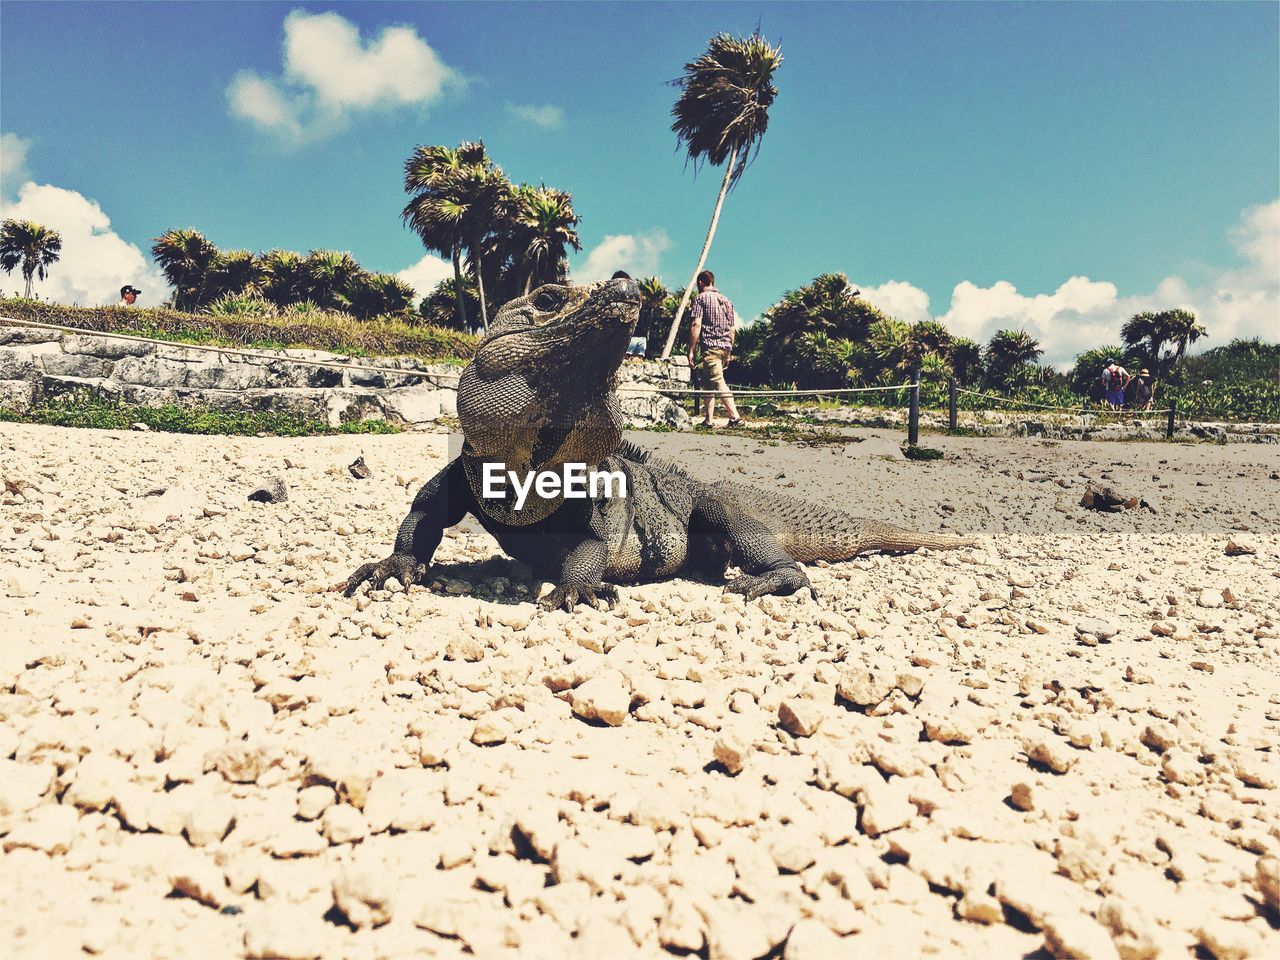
[484,308]
[27,277]
[459,292]
[702,258]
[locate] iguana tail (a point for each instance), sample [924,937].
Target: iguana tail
[812,531]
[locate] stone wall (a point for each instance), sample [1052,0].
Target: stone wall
[40,365]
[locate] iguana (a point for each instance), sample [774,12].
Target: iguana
[539,393]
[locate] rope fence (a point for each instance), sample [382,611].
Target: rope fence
[441,379]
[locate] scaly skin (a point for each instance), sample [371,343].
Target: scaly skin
[539,394]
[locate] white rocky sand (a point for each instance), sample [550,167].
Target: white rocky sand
[1063,740]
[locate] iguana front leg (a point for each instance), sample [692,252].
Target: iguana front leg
[442,502]
[766,567]
[581,578]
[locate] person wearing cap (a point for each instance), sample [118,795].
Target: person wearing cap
[1144,391]
[128,295]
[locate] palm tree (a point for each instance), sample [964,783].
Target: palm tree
[283,276]
[826,305]
[440,307]
[34,246]
[378,294]
[965,359]
[653,294]
[721,115]
[544,224]
[327,277]
[186,259]
[1008,351]
[1148,333]
[458,196]
[431,211]
[235,272]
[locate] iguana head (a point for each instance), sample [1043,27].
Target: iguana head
[539,391]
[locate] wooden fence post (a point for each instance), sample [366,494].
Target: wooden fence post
[952,412]
[913,412]
[1173,412]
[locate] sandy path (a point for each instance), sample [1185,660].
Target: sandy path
[204,753]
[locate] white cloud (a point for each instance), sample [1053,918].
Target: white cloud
[548,116]
[426,274]
[329,73]
[13,163]
[1084,313]
[898,299]
[638,254]
[96,261]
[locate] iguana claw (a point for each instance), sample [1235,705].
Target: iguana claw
[567,597]
[780,582]
[403,567]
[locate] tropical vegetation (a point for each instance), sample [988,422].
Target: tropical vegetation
[514,236]
[205,278]
[31,246]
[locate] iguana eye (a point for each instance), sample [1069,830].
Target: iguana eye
[548,300]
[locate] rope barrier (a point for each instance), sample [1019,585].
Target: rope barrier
[434,378]
[1028,403]
[745,392]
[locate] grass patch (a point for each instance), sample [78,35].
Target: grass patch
[100,414]
[318,330]
[922,453]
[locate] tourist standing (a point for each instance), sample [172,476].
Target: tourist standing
[712,329]
[1115,379]
[128,296]
[1144,391]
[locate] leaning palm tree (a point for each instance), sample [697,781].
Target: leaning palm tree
[721,115]
[545,225]
[30,244]
[187,260]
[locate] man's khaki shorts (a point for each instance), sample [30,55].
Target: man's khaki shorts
[713,362]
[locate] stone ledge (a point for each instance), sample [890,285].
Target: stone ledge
[38,365]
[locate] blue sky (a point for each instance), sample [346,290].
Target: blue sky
[1052,166]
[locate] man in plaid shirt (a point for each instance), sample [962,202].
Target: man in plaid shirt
[712,328]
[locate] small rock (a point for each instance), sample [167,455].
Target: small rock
[273,491]
[979,907]
[886,806]
[140,427]
[313,801]
[199,878]
[1229,940]
[1238,548]
[799,717]
[492,728]
[1077,936]
[285,932]
[1053,752]
[732,753]
[50,828]
[343,823]
[364,895]
[1209,598]
[604,697]
[359,469]
[1021,797]
[1268,880]
[1132,931]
